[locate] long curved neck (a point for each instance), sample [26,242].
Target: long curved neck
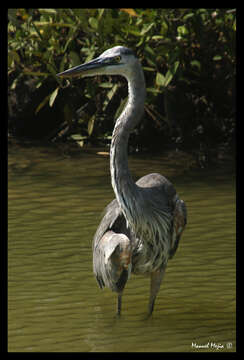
[123,185]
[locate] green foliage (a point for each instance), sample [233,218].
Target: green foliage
[192,46]
[164,81]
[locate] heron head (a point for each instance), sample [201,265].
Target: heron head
[118,60]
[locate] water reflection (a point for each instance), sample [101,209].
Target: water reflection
[55,204]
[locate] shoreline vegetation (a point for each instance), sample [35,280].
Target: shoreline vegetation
[188,58]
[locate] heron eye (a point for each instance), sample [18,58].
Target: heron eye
[117,58]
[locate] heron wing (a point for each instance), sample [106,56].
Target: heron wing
[112,249]
[112,219]
[112,260]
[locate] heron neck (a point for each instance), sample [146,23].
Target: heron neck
[125,189]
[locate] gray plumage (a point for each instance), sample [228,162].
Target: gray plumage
[141,228]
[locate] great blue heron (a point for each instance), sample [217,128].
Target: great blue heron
[141,228]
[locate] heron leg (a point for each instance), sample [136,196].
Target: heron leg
[119,303]
[156,279]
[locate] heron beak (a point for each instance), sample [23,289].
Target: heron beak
[84,69]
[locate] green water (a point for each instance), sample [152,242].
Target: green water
[54,303]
